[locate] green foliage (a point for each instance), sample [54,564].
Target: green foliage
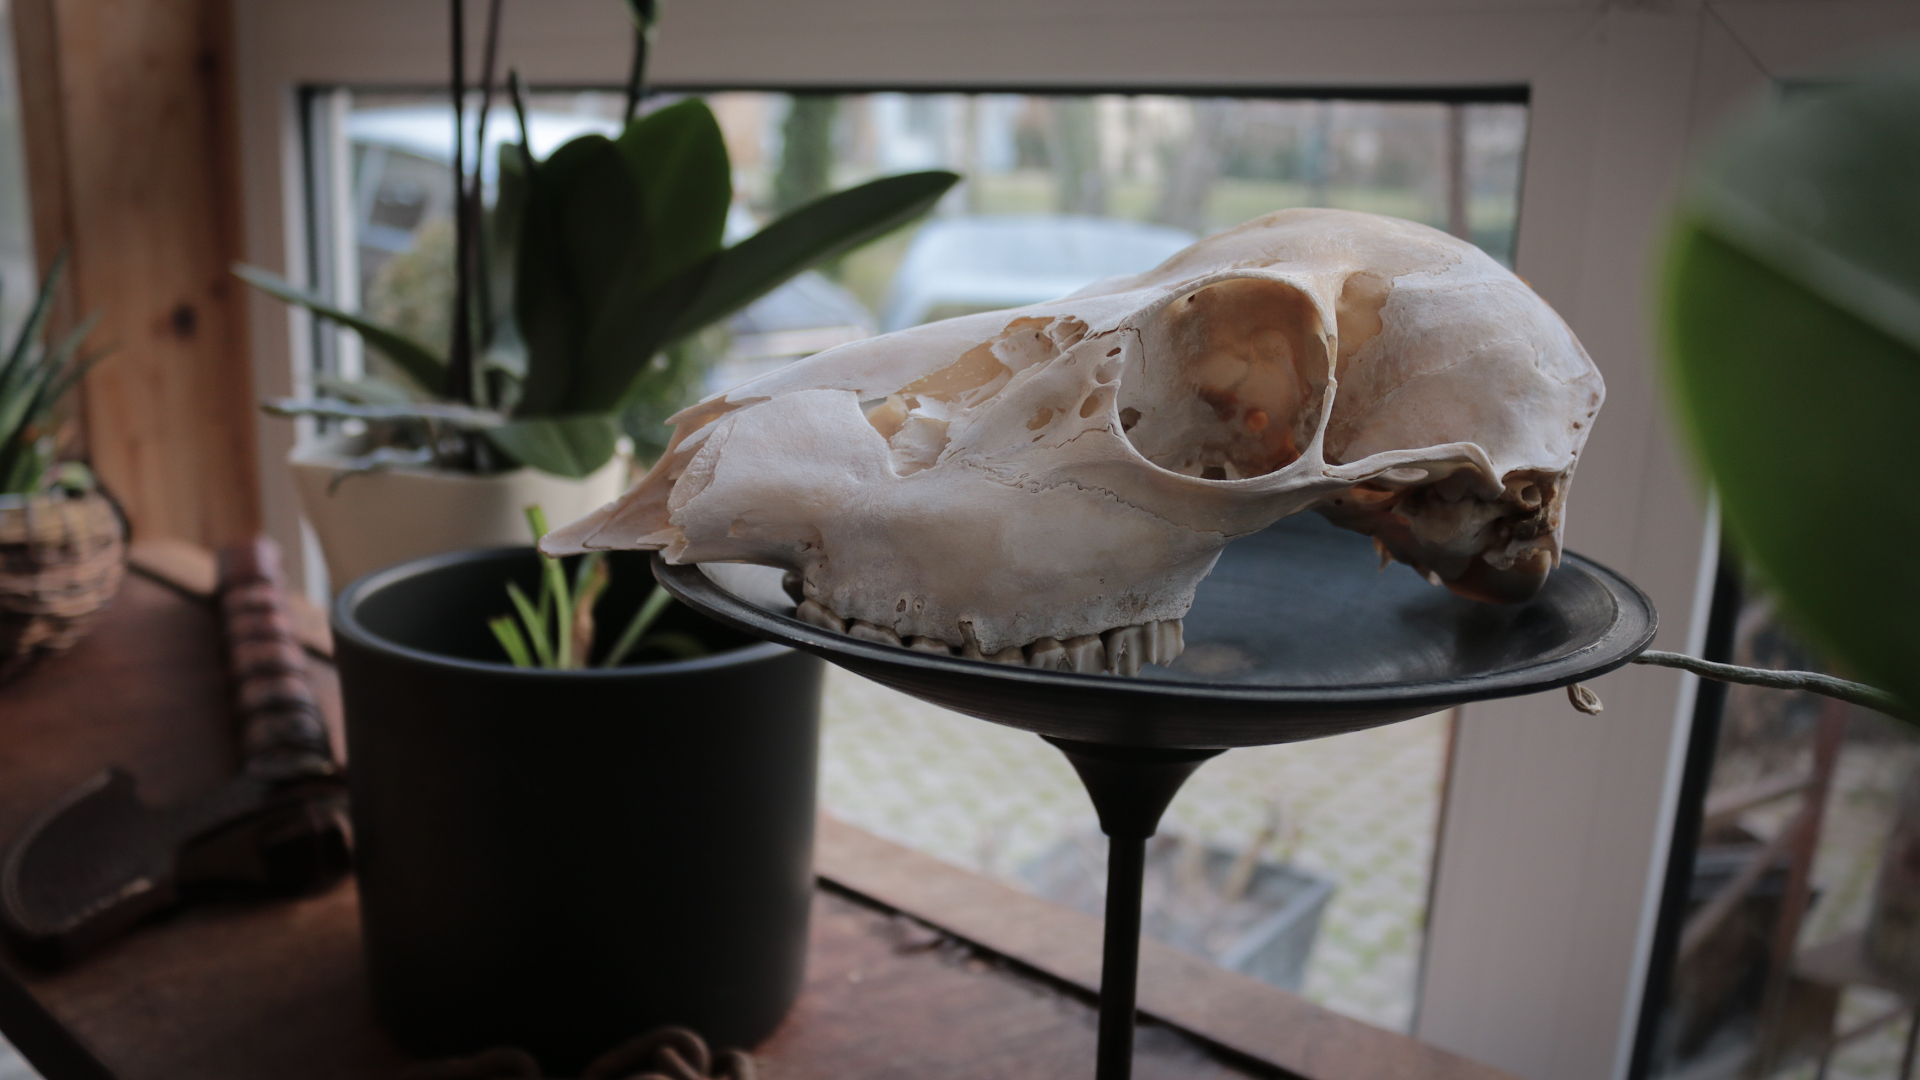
[602,263]
[33,379]
[1792,334]
[564,445]
[420,364]
[556,631]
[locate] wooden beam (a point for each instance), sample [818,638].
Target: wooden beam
[130,125]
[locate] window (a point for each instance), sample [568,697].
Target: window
[19,272]
[1059,191]
[1790,802]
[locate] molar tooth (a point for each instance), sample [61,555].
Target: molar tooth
[1125,644]
[921,643]
[1012,654]
[794,585]
[1049,655]
[866,631]
[1086,653]
[811,613]
[1166,640]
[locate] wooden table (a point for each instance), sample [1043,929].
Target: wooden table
[917,970]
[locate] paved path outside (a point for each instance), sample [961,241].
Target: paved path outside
[1359,809]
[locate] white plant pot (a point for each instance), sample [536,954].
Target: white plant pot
[371,520]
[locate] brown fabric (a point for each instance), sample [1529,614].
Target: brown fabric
[61,560]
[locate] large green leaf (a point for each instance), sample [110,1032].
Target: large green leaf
[563,445]
[1804,415]
[1822,189]
[503,224]
[679,159]
[809,235]
[1793,340]
[583,232]
[627,337]
[416,360]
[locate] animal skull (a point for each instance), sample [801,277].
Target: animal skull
[1048,485]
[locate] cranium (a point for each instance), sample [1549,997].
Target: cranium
[1047,485]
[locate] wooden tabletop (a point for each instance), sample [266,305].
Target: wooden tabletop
[916,969]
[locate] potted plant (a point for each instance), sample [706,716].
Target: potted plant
[576,299]
[581,828]
[63,544]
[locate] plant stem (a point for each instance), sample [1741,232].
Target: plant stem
[1853,693]
[656,602]
[460,349]
[590,579]
[536,621]
[645,14]
[475,268]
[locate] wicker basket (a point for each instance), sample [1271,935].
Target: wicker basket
[61,560]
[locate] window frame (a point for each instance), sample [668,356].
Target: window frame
[1554,830]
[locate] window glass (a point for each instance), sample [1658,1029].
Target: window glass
[1058,192]
[19,278]
[1789,944]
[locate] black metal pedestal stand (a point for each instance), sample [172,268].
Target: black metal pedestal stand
[1297,635]
[1131,788]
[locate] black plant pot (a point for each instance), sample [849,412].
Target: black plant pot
[562,860]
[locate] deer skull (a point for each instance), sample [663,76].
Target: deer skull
[1048,485]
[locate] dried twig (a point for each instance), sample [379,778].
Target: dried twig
[1853,693]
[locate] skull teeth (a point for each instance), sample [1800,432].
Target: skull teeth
[813,614]
[1123,650]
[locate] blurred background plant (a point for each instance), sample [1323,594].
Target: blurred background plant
[578,299]
[34,377]
[1792,337]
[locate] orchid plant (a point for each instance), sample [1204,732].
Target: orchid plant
[610,254]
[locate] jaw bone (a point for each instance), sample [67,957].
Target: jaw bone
[1047,485]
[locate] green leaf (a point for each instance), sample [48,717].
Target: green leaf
[818,231]
[582,233]
[650,610]
[1821,188]
[509,637]
[536,622]
[627,336]
[17,361]
[679,160]
[459,417]
[418,361]
[503,224]
[665,386]
[1792,335]
[572,446]
[1787,395]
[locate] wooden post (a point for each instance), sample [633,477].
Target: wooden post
[129,121]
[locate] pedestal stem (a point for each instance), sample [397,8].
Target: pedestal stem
[1130,788]
[1120,956]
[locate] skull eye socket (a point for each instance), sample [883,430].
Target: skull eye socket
[1231,381]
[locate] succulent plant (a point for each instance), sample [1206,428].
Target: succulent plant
[33,379]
